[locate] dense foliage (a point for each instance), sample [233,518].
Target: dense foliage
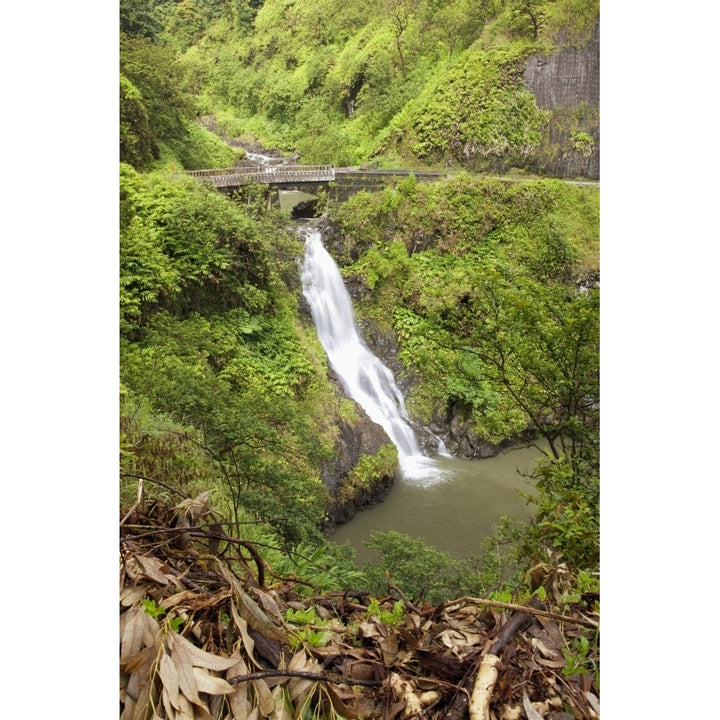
[210,336]
[416,81]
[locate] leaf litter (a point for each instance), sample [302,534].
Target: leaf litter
[204,636]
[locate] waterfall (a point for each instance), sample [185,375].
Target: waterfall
[365,379]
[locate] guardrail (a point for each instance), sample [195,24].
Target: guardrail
[227,177]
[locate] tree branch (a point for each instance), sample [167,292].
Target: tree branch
[336,679]
[523,609]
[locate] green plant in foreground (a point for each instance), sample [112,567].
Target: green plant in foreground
[387,617]
[578,660]
[312,633]
[157,611]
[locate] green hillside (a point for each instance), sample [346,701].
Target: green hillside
[415,82]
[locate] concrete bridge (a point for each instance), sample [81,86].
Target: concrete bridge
[304,181]
[226,179]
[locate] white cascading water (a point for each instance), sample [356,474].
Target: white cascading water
[365,379]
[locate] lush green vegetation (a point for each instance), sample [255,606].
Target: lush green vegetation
[223,383]
[404,81]
[210,336]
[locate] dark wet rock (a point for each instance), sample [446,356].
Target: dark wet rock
[363,437]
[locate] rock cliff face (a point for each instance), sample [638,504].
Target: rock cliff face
[567,78]
[351,485]
[567,84]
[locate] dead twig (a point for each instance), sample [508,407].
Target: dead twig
[138,502]
[523,608]
[335,679]
[394,587]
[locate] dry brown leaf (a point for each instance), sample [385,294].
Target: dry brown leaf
[248,642]
[299,688]
[184,596]
[458,641]
[389,649]
[530,711]
[552,629]
[258,620]
[200,658]
[182,659]
[546,652]
[594,702]
[132,594]
[217,704]
[132,568]
[170,709]
[200,712]
[131,633]
[369,630]
[239,699]
[251,612]
[269,603]
[185,711]
[264,697]
[144,656]
[124,679]
[152,568]
[169,677]
[142,701]
[281,711]
[362,670]
[132,690]
[368,706]
[151,629]
[211,684]
[338,703]
[144,686]
[205,601]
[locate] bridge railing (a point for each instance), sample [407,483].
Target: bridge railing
[214,171]
[224,177]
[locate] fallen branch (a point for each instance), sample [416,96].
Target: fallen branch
[479,705]
[336,679]
[519,621]
[524,609]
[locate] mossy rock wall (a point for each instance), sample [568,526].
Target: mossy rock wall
[567,83]
[362,471]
